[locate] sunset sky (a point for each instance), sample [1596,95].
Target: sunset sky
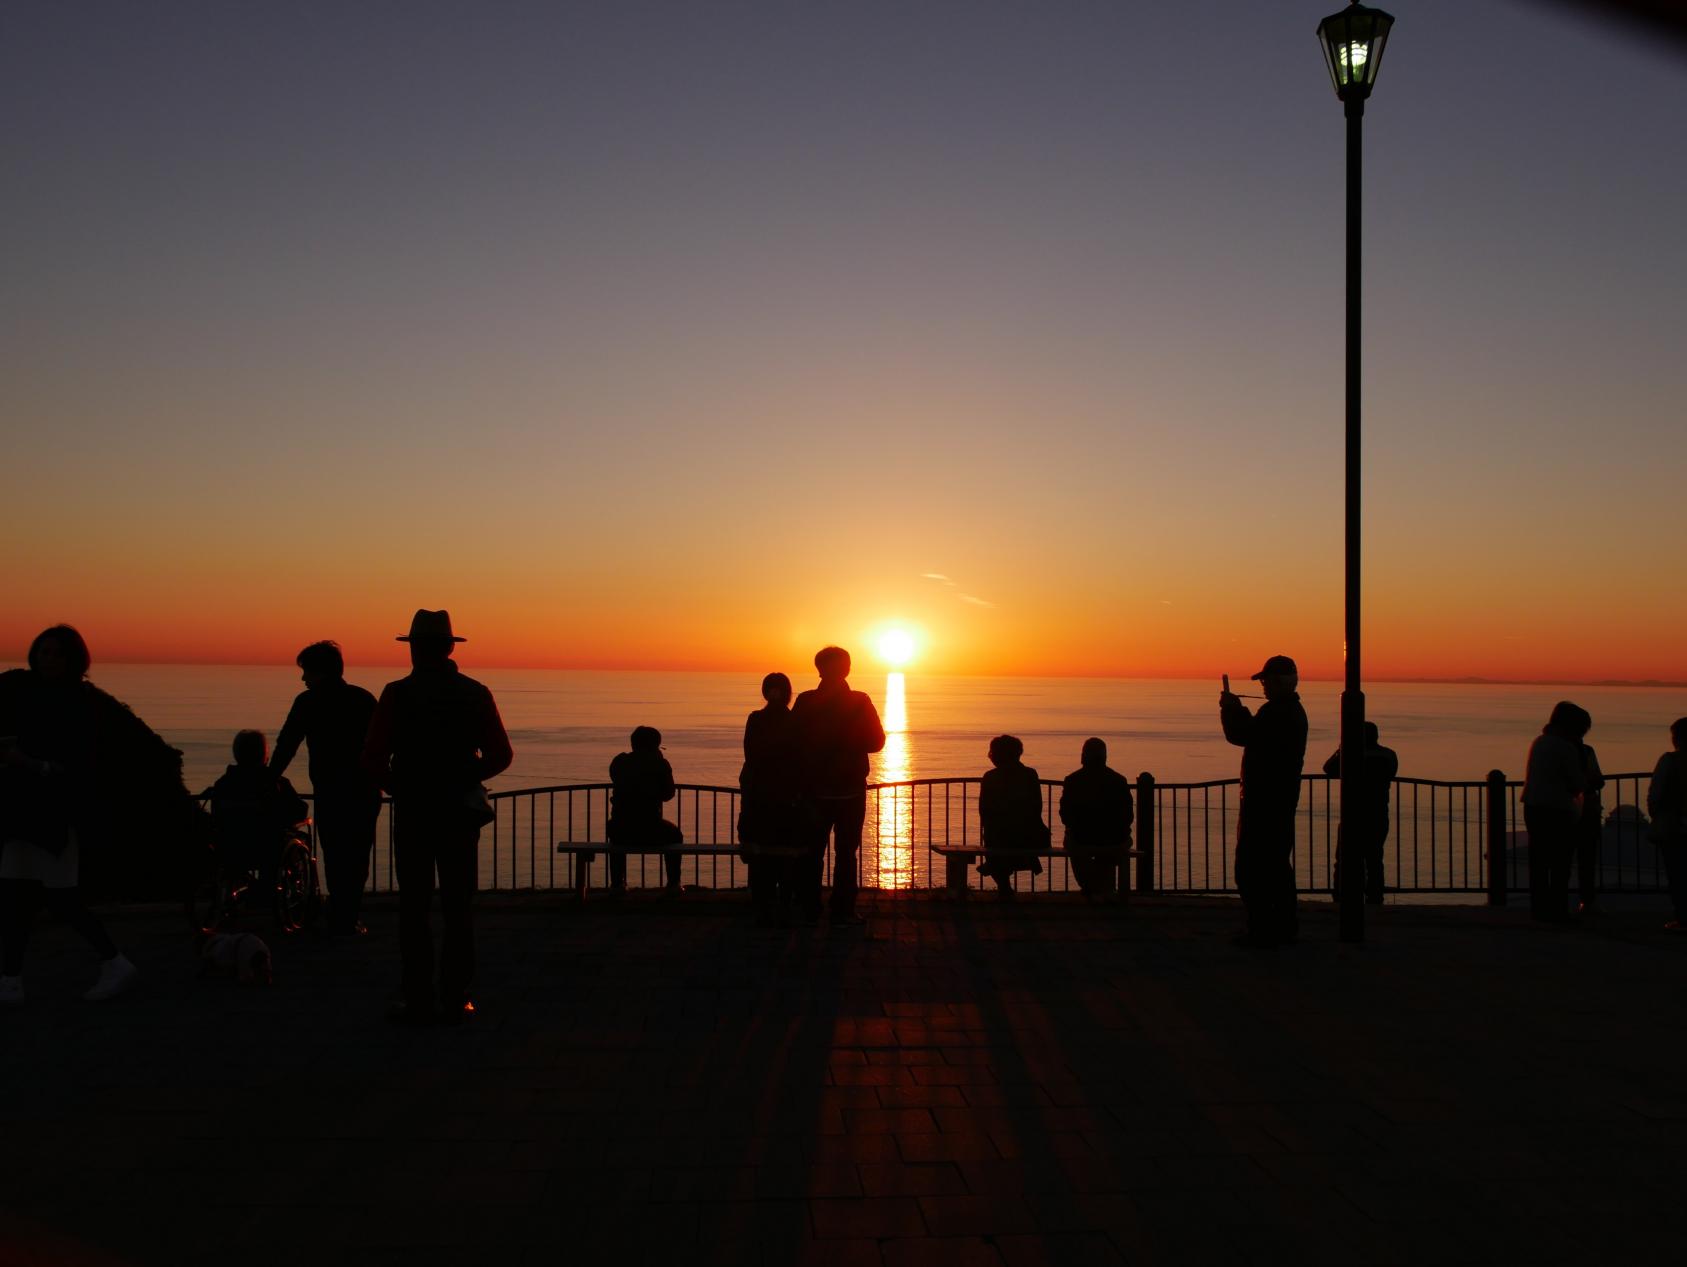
[697,335]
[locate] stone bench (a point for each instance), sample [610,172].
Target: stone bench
[958,859]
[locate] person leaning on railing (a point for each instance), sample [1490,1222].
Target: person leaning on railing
[1553,788]
[1666,803]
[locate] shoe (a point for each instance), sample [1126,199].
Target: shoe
[457,1013]
[411,1017]
[851,920]
[1248,941]
[116,974]
[1670,926]
[11,991]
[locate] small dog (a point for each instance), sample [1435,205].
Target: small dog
[240,955]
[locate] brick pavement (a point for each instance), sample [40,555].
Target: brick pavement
[1037,1083]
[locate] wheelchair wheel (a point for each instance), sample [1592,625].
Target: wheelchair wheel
[296,891]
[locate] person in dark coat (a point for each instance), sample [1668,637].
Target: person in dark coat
[50,723]
[1096,807]
[1273,744]
[332,716]
[1010,815]
[837,730]
[1666,803]
[643,783]
[435,738]
[1554,785]
[252,808]
[1590,827]
[1381,766]
[770,818]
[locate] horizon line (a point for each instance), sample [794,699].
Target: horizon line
[1466,680]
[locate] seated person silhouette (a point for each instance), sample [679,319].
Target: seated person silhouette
[253,810]
[1010,815]
[1096,806]
[643,782]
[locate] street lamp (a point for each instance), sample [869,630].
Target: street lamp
[1353,41]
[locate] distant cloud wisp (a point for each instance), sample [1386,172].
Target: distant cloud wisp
[950,584]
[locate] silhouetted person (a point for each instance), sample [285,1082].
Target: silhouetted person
[643,782]
[1666,804]
[332,716]
[1096,807]
[770,827]
[47,757]
[435,738]
[1381,766]
[1553,788]
[1010,815]
[1590,827]
[252,809]
[837,730]
[1273,744]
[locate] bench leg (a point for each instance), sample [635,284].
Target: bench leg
[955,875]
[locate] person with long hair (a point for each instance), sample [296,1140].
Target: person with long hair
[48,719]
[1554,788]
[770,822]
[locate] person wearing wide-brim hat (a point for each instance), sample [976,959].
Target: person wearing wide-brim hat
[435,738]
[1273,744]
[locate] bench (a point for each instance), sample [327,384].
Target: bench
[958,859]
[582,871]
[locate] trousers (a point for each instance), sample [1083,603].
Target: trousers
[430,841]
[1552,843]
[1265,877]
[838,819]
[345,829]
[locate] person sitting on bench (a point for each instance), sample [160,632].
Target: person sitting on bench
[1010,815]
[1095,805]
[643,782]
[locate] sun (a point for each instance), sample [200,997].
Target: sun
[896,647]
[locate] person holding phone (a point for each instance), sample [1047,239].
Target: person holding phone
[1273,744]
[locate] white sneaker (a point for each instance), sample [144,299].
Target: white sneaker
[11,991]
[115,976]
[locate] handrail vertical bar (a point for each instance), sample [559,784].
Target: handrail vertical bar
[1496,838]
[1145,832]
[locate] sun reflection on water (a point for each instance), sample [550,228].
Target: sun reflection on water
[894,808]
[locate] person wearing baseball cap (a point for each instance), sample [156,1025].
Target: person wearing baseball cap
[434,739]
[1273,744]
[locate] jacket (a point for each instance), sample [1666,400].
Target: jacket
[837,729]
[1273,744]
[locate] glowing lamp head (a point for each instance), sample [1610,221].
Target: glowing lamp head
[1353,40]
[896,647]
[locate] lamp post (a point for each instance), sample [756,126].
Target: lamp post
[1353,41]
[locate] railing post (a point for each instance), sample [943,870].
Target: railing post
[1496,838]
[1144,833]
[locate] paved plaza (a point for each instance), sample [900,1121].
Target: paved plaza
[1040,1082]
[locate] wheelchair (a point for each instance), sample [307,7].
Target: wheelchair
[246,877]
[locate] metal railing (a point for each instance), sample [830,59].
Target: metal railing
[1445,836]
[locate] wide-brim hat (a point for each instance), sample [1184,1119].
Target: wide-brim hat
[427,626]
[1279,665]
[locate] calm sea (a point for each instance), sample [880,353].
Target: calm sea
[566,725]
